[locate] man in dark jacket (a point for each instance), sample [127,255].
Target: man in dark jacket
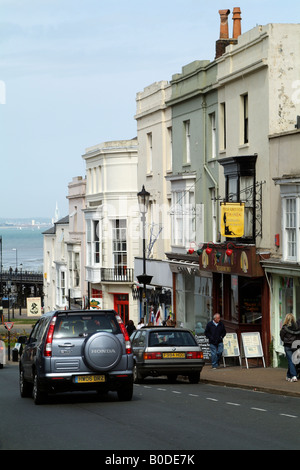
[215,332]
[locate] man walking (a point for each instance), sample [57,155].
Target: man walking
[215,332]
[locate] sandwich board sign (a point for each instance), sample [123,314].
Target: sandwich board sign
[231,347]
[252,346]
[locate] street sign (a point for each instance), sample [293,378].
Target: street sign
[9,325]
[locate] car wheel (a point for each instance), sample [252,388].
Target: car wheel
[137,377]
[39,396]
[194,377]
[125,393]
[25,387]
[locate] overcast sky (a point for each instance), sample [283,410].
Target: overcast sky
[70,72]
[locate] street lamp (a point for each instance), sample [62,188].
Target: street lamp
[143,198]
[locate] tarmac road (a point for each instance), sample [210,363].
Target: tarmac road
[161,416]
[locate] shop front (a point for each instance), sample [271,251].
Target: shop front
[240,290]
[284,280]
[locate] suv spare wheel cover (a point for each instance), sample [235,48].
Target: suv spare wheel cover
[102,351]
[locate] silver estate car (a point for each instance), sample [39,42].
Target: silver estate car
[166,351]
[77,350]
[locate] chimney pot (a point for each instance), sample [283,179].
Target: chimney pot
[236,16]
[224,24]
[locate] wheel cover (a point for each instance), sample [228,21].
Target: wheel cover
[102,351]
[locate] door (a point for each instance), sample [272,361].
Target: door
[121,306]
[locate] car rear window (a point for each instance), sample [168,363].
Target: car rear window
[171,338]
[84,325]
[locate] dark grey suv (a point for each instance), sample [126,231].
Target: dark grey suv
[166,351]
[77,350]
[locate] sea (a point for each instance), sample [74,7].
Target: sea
[22,247]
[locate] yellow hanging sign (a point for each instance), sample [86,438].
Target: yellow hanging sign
[232,219]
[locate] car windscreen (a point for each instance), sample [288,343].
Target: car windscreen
[84,325]
[171,338]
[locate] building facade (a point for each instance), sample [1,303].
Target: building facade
[112,226]
[154,134]
[64,254]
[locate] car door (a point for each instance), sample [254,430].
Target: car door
[138,346]
[30,350]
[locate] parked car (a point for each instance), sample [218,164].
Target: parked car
[2,354]
[166,351]
[77,350]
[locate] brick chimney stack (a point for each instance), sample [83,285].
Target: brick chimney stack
[224,34]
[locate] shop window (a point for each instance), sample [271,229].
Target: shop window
[250,301]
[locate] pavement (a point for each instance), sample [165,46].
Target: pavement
[262,379]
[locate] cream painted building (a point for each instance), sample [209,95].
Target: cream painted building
[112,226]
[64,254]
[258,100]
[154,134]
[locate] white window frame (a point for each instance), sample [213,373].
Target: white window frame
[93,237]
[290,228]
[213,135]
[187,135]
[183,215]
[119,240]
[61,286]
[149,152]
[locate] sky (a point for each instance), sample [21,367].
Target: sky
[70,71]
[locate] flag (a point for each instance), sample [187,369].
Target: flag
[157,317]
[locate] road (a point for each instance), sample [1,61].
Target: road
[161,416]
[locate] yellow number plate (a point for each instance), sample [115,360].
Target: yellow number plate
[172,355]
[81,379]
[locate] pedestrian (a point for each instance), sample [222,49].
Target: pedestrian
[289,333]
[130,327]
[215,332]
[141,323]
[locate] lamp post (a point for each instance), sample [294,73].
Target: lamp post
[143,198]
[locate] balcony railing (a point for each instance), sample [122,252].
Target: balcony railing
[118,274]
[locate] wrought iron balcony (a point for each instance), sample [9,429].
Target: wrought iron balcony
[118,274]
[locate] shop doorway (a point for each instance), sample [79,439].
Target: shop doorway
[121,306]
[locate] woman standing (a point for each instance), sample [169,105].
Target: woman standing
[288,334]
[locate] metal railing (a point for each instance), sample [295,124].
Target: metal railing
[118,274]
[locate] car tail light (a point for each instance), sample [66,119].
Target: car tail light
[125,334]
[48,344]
[194,355]
[152,355]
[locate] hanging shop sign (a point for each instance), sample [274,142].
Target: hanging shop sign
[242,260]
[232,220]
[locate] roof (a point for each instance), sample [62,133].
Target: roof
[52,230]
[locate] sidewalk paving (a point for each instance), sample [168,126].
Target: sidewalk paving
[265,379]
